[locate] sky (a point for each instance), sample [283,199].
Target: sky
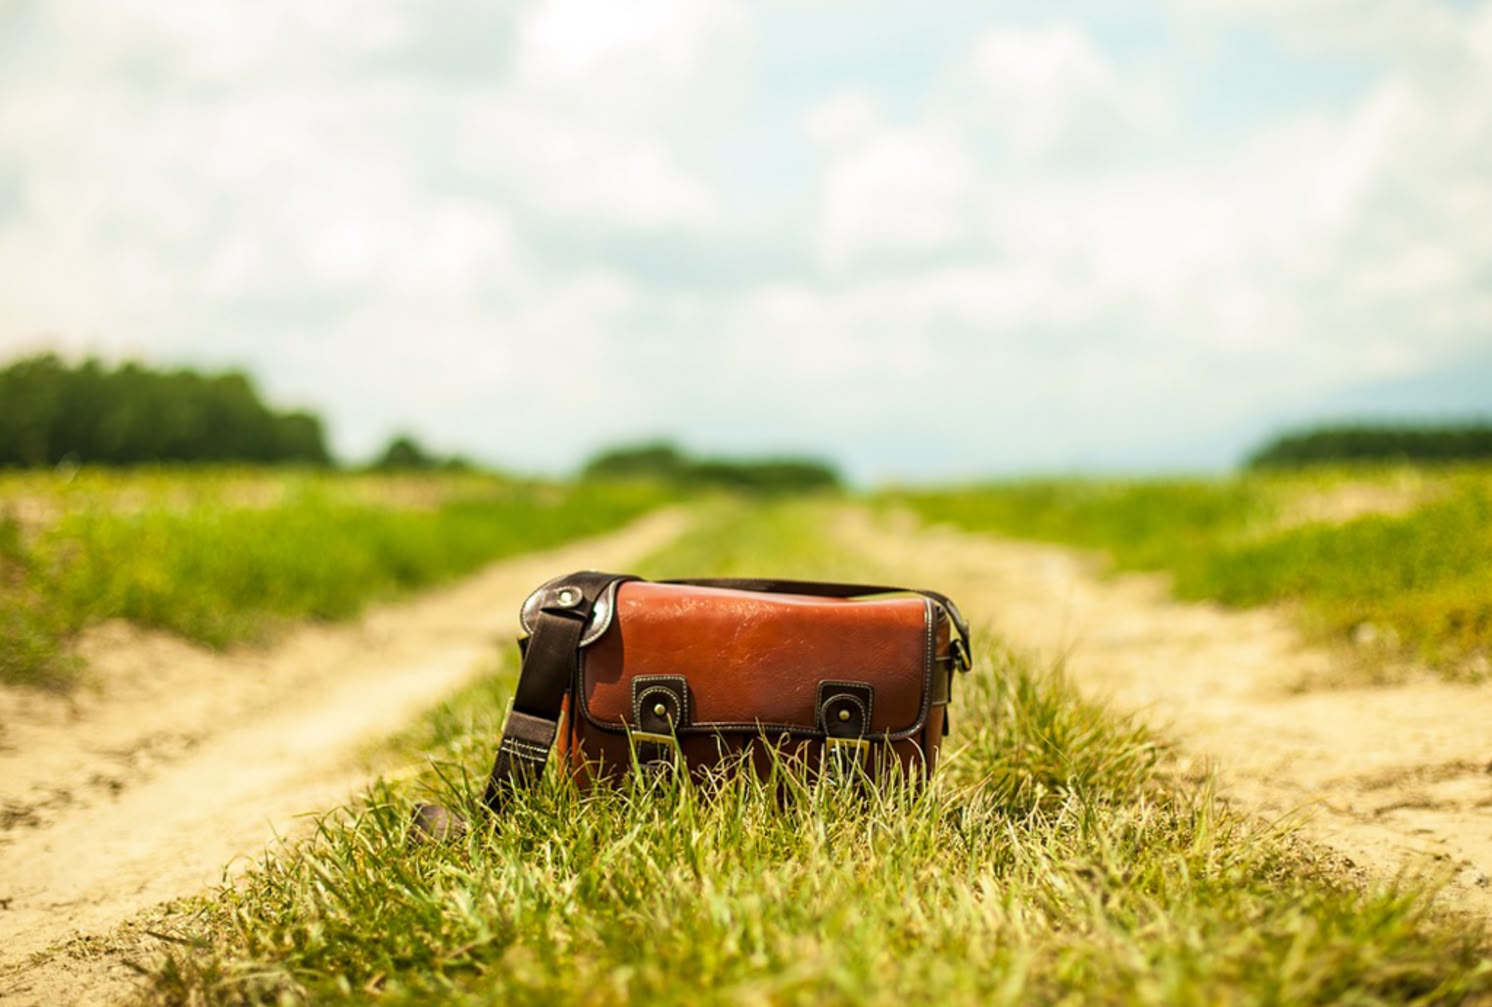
[930,240]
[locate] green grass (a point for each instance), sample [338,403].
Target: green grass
[1051,861]
[228,558]
[1415,582]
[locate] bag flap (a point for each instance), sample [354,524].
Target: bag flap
[755,660]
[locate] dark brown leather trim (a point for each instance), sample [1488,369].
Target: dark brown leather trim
[601,612]
[857,697]
[843,713]
[673,690]
[654,732]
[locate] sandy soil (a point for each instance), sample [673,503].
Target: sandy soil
[185,761]
[1395,778]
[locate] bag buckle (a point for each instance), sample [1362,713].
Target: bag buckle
[651,738]
[959,652]
[655,751]
[845,759]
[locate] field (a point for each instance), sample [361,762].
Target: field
[1066,852]
[1391,560]
[225,557]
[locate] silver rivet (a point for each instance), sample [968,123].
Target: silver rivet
[661,709]
[566,597]
[844,714]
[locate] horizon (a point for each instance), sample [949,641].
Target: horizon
[763,453]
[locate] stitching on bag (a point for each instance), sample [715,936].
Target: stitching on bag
[524,749]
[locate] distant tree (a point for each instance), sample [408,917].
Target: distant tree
[664,462]
[132,414]
[404,453]
[1381,442]
[299,437]
[653,460]
[32,394]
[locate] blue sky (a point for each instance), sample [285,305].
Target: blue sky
[928,240]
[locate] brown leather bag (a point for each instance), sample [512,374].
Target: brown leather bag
[630,673]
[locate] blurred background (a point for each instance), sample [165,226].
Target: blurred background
[927,241]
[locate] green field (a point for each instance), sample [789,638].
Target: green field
[1052,860]
[1056,858]
[1394,560]
[225,556]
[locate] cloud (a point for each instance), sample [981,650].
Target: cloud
[1042,250]
[585,169]
[887,189]
[642,62]
[1049,95]
[287,187]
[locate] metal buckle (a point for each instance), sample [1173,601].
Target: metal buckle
[655,753]
[648,737]
[845,758]
[959,651]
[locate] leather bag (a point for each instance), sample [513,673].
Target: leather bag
[623,673]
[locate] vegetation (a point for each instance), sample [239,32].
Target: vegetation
[405,454]
[1367,442]
[1049,861]
[663,462]
[232,559]
[1411,580]
[52,413]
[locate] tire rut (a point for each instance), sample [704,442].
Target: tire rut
[187,763]
[1395,778]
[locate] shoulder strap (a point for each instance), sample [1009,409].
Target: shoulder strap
[549,661]
[551,653]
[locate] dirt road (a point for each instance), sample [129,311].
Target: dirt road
[114,801]
[1394,777]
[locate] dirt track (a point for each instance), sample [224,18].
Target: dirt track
[115,801]
[1393,777]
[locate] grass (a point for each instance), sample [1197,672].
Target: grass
[233,557]
[1050,861]
[1409,582]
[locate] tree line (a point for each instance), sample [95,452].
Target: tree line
[665,462]
[1376,442]
[52,412]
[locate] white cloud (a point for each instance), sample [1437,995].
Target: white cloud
[1031,255]
[1330,249]
[1049,94]
[582,170]
[643,60]
[887,189]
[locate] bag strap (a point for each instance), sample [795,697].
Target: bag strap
[549,662]
[551,655]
